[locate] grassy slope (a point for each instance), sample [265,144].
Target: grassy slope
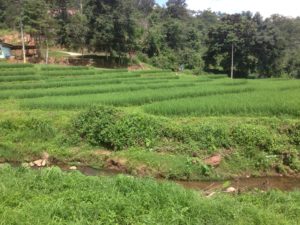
[52,197]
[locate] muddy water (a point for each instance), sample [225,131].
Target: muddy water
[241,184]
[247,184]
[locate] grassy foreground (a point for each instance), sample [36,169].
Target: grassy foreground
[51,196]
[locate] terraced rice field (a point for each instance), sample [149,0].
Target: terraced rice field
[156,92]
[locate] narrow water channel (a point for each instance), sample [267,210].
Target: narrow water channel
[241,184]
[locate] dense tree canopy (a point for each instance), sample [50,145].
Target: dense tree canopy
[168,37]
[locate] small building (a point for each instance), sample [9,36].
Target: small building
[8,50]
[5,50]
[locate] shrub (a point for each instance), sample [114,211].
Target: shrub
[95,125]
[293,133]
[252,136]
[115,129]
[135,130]
[211,136]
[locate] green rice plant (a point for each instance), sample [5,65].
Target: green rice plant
[81,82]
[234,82]
[15,66]
[82,90]
[45,85]
[68,72]
[152,71]
[217,76]
[18,72]
[18,78]
[111,70]
[91,76]
[128,98]
[59,68]
[264,103]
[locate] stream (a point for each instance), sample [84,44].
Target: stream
[242,184]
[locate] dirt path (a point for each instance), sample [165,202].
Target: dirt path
[71,53]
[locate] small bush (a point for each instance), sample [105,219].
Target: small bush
[115,129]
[211,136]
[95,125]
[293,133]
[135,130]
[252,136]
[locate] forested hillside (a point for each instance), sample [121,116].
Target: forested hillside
[168,37]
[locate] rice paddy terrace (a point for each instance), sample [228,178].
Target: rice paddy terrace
[155,92]
[144,123]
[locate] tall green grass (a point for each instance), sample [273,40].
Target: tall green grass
[50,196]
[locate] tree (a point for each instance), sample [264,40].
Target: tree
[100,24]
[59,11]
[236,31]
[37,21]
[76,31]
[145,6]
[112,26]
[269,50]
[3,8]
[177,8]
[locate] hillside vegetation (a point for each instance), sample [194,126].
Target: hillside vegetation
[123,32]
